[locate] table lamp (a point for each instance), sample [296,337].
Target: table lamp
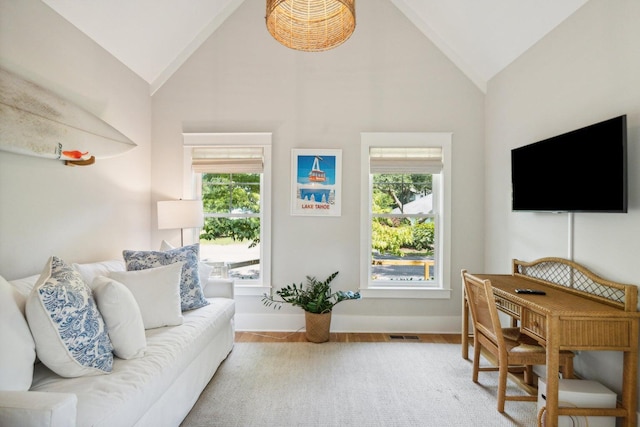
[180,214]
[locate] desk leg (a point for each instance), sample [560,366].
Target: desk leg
[629,378]
[553,367]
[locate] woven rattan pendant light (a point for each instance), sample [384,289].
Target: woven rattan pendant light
[311,25]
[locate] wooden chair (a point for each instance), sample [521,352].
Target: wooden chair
[513,351]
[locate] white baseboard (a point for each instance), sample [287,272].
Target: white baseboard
[351,323]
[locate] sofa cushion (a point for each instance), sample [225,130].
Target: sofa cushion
[157,292]
[37,408]
[69,332]
[24,286]
[190,287]
[122,315]
[90,271]
[17,351]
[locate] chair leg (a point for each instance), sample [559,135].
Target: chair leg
[502,385]
[476,360]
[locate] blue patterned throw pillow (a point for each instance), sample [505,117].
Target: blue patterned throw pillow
[191,294]
[70,334]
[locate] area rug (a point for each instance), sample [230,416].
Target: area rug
[353,384]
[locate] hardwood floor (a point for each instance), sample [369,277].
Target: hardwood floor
[246,336]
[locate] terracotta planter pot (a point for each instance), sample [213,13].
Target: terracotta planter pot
[318,326]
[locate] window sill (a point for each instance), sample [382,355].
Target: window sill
[406,292]
[251,290]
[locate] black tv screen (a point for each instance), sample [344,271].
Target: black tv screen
[580,171]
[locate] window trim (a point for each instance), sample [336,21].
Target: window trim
[442,290]
[263,140]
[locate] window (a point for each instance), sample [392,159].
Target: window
[230,173]
[405,223]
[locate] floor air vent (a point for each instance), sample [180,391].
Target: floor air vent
[404,337]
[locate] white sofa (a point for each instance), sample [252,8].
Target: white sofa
[157,389]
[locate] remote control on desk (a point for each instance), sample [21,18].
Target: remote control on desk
[530,291]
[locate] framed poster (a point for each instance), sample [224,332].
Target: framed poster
[316,182]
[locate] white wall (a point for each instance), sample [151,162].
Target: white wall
[387,77]
[585,71]
[78,213]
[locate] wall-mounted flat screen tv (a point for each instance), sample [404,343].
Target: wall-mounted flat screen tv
[580,171]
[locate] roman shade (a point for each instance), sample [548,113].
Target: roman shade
[422,160]
[225,159]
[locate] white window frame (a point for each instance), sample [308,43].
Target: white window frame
[190,190]
[441,289]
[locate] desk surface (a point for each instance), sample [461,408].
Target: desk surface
[556,301]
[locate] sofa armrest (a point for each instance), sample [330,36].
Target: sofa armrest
[219,288]
[37,409]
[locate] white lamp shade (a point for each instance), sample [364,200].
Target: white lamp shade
[180,214]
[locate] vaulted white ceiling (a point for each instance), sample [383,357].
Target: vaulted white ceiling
[154,37]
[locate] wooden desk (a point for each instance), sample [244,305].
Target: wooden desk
[571,317]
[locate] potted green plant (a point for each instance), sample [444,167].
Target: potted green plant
[316,299]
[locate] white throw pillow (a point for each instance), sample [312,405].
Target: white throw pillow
[17,351]
[204,270]
[122,315]
[157,292]
[191,293]
[166,246]
[69,332]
